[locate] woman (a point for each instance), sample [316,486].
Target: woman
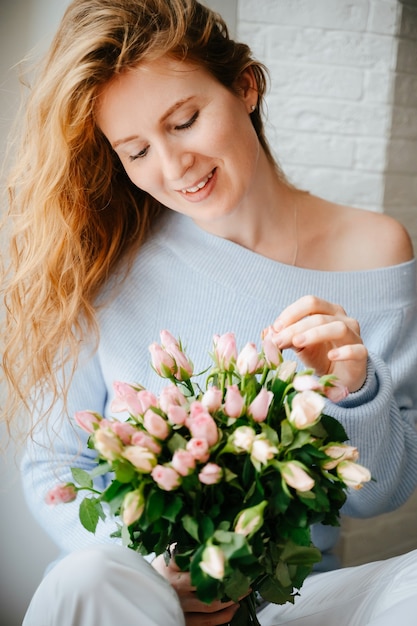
[145,196]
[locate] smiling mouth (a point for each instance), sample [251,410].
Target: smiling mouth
[200,185]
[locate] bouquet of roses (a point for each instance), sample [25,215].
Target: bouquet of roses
[231,476]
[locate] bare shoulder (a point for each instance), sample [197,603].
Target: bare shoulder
[355,239]
[381,240]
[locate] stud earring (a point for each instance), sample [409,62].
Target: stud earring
[252,108]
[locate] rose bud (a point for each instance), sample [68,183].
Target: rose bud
[61,494]
[213,562]
[295,476]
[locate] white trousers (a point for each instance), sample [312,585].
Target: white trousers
[110,585]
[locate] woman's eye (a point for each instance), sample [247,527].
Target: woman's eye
[139,155]
[189,123]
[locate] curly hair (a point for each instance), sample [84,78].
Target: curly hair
[74,213]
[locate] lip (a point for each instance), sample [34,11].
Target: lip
[200,193]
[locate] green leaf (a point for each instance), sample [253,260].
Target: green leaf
[300,555]
[89,513]
[334,428]
[124,471]
[154,506]
[286,433]
[237,585]
[114,495]
[81,477]
[101,469]
[272,591]
[191,526]
[172,508]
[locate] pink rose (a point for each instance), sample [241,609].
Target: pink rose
[177,415]
[234,402]
[126,399]
[295,476]
[168,340]
[146,400]
[140,438]
[184,367]
[162,361]
[353,474]
[336,392]
[242,438]
[302,382]
[143,459]
[171,396]
[225,351]
[258,408]
[339,452]
[271,352]
[286,370]
[201,425]
[156,425]
[199,448]
[212,399]
[262,451]
[132,507]
[87,420]
[107,443]
[61,494]
[248,360]
[183,462]
[306,408]
[211,474]
[166,477]
[123,430]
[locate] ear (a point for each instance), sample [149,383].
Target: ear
[246,88]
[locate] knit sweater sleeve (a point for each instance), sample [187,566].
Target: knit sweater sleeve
[381,418]
[51,453]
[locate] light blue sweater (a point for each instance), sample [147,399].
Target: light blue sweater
[195,285]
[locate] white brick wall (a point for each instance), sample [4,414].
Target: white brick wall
[330,107]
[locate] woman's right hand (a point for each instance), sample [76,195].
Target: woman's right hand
[196,613]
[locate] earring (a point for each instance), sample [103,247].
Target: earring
[252,108]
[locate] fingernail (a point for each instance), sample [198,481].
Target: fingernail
[277,325]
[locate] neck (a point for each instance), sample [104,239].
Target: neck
[266,221]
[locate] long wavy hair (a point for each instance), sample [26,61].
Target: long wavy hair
[73,211]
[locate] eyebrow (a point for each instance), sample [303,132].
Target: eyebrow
[165,116]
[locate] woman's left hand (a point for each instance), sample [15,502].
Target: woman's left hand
[324,338]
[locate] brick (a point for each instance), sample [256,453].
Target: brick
[364,190]
[343,14]
[340,48]
[384,17]
[342,118]
[370,154]
[314,149]
[379,86]
[316,80]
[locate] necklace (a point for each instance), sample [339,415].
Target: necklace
[294,261]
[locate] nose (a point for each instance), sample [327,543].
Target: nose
[174,160]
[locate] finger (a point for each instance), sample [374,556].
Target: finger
[351,352]
[285,337]
[333,332]
[307,305]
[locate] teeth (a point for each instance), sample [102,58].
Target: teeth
[199,186]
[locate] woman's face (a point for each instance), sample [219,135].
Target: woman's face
[183,137]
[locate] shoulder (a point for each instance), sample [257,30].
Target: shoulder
[381,240]
[356,239]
